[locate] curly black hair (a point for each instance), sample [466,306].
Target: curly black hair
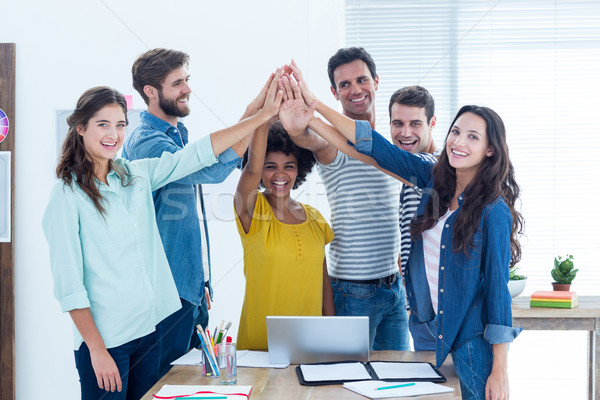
[279,140]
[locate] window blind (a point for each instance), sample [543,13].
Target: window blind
[536,63]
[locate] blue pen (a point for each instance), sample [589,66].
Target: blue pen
[208,356]
[396,386]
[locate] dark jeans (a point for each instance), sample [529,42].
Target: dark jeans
[178,331]
[137,362]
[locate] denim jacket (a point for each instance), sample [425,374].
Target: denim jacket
[473,297]
[175,203]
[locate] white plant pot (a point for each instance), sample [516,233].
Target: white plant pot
[516,287]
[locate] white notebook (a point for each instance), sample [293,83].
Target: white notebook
[369,389]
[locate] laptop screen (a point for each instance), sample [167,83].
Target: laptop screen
[302,339]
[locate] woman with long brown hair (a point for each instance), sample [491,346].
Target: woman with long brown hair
[108,263]
[465,237]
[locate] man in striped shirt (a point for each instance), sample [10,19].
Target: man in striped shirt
[412,119]
[363,257]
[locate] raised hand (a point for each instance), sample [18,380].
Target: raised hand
[307,94]
[259,101]
[273,96]
[294,114]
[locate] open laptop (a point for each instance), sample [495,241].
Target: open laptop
[302,340]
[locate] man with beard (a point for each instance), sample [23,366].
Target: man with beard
[161,77]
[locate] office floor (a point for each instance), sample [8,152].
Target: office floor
[549,365]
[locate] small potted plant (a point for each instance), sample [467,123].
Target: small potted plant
[563,273]
[516,283]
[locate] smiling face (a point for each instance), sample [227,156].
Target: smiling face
[103,134]
[409,128]
[355,88]
[173,98]
[467,143]
[279,173]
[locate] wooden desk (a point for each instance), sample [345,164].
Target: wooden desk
[271,384]
[584,317]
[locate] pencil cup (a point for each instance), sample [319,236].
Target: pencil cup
[227,361]
[207,366]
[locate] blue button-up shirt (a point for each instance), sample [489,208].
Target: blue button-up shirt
[114,264]
[473,297]
[175,203]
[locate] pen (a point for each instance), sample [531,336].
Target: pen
[210,339]
[219,332]
[207,349]
[209,359]
[211,348]
[396,386]
[225,330]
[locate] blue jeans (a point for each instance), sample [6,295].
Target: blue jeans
[137,362]
[473,363]
[423,335]
[385,305]
[177,332]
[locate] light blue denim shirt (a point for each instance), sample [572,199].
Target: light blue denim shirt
[115,264]
[473,297]
[175,203]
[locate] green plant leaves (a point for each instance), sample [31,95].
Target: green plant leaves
[563,271]
[512,271]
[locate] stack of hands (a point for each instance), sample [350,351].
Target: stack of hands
[287,96]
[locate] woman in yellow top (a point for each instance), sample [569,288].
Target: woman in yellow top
[283,240]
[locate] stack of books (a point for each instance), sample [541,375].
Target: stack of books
[554,299]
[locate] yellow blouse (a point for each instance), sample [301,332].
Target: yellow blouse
[283,266]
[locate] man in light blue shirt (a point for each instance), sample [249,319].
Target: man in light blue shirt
[161,78]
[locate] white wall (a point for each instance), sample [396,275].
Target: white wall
[67,46]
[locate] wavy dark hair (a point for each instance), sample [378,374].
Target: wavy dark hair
[279,140]
[495,178]
[75,164]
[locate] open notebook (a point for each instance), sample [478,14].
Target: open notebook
[335,373]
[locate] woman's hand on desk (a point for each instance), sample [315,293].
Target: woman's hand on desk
[106,371]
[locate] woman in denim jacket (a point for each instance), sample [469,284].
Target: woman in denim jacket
[464,238]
